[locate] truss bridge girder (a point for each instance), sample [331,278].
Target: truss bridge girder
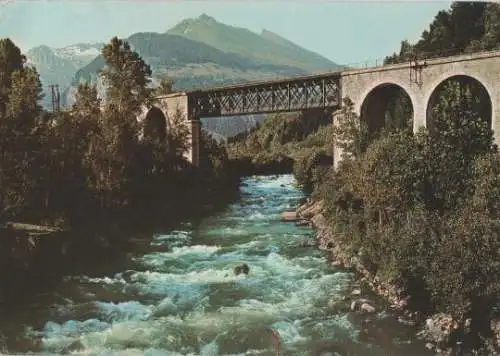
[268,97]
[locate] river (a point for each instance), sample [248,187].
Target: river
[179,295]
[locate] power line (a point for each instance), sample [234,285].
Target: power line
[56,98]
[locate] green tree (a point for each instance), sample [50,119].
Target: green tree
[23,99]
[112,160]
[457,135]
[21,135]
[491,37]
[87,103]
[399,114]
[406,54]
[165,86]
[114,148]
[178,134]
[349,132]
[127,77]
[466,27]
[11,60]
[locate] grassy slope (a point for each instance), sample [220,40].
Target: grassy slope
[267,47]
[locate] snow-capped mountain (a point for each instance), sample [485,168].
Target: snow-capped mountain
[59,65]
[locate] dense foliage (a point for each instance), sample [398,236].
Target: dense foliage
[92,163]
[282,141]
[466,27]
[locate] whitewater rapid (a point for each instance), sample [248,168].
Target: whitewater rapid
[181,296]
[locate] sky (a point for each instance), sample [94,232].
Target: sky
[344,32]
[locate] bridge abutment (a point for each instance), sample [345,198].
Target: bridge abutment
[195,142]
[419,113]
[179,116]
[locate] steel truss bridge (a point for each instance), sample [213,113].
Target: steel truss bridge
[285,95]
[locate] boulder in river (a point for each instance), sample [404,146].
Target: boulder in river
[241,268]
[363,305]
[302,222]
[166,307]
[307,211]
[289,216]
[367,308]
[308,243]
[356,292]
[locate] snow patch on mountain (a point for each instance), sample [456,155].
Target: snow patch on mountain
[75,51]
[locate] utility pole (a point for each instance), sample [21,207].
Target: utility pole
[56,99]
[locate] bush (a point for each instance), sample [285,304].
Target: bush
[279,141]
[310,168]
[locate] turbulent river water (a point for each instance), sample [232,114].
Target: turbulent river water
[180,295]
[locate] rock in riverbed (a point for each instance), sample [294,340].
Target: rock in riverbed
[241,268]
[363,306]
[289,216]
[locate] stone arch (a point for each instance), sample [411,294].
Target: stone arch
[481,88]
[155,124]
[378,100]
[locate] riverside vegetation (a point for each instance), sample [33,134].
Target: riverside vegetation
[420,211]
[88,167]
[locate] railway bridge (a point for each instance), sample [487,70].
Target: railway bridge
[370,89]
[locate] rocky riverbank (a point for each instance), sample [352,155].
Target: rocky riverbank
[440,330]
[30,257]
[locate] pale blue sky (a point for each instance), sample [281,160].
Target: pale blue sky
[344,32]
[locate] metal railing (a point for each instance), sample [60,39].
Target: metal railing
[449,52]
[369,63]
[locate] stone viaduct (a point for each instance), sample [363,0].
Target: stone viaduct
[370,89]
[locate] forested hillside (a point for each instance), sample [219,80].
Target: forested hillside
[282,139]
[466,27]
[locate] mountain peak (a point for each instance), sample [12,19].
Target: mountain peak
[205,18]
[266,47]
[40,49]
[198,24]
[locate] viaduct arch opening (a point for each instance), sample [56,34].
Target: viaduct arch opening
[155,125]
[456,93]
[387,107]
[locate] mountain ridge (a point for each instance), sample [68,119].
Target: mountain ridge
[240,40]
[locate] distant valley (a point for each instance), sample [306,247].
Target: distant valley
[196,53]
